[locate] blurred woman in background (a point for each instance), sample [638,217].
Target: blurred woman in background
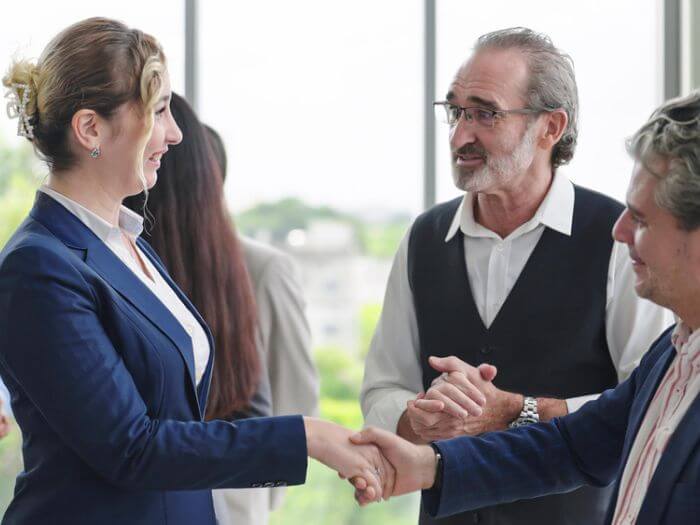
[196,239]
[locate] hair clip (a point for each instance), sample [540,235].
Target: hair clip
[17,108]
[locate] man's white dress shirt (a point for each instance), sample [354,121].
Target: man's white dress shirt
[392,369]
[131,224]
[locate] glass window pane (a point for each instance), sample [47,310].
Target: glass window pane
[321,102]
[317,100]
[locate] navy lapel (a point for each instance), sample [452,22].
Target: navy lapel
[71,230]
[681,444]
[642,398]
[203,387]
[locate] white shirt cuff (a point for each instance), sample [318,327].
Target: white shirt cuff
[574,403]
[386,413]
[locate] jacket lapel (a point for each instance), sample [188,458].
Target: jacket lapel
[643,398]
[203,387]
[131,288]
[71,230]
[679,447]
[638,410]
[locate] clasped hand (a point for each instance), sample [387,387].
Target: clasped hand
[378,464]
[461,401]
[362,463]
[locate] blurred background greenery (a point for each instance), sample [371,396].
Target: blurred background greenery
[324,498]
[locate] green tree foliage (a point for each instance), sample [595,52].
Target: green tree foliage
[369,317]
[279,218]
[18,182]
[381,240]
[341,374]
[10,465]
[276,219]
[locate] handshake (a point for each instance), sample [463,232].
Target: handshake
[380,464]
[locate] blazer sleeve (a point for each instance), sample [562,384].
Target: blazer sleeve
[582,448]
[54,345]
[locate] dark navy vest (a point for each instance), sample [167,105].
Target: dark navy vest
[547,340]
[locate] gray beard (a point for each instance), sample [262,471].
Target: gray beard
[502,169]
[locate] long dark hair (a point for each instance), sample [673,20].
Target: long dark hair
[194,235]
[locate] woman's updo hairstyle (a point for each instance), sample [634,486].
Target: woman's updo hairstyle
[96,64]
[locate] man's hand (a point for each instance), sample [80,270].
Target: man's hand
[415,465]
[442,412]
[363,464]
[499,410]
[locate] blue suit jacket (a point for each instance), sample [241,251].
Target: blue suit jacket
[590,446]
[102,383]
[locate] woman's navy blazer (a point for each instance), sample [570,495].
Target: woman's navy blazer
[101,377]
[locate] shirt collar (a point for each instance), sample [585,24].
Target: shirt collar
[682,335]
[130,223]
[556,211]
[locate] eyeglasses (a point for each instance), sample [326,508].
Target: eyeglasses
[484,117]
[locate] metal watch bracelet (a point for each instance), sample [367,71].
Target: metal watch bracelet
[528,415]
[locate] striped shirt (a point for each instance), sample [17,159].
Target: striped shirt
[675,394]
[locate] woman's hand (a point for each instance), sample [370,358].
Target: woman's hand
[415,465]
[4,422]
[369,472]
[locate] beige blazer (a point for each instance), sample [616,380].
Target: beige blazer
[285,341]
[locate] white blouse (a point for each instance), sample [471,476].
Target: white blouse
[131,224]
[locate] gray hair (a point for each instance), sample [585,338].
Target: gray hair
[552,84]
[672,133]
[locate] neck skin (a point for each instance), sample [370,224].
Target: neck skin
[689,315]
[86,189]
[503,210]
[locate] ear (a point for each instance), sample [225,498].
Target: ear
[555,126]
[86,129]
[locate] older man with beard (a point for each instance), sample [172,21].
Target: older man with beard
[642,435]
[520,272]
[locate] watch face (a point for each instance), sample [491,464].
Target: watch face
[523,421]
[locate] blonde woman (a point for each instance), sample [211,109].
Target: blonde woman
[108,363]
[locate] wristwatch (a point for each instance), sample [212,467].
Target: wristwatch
[438,466]
[528,415]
